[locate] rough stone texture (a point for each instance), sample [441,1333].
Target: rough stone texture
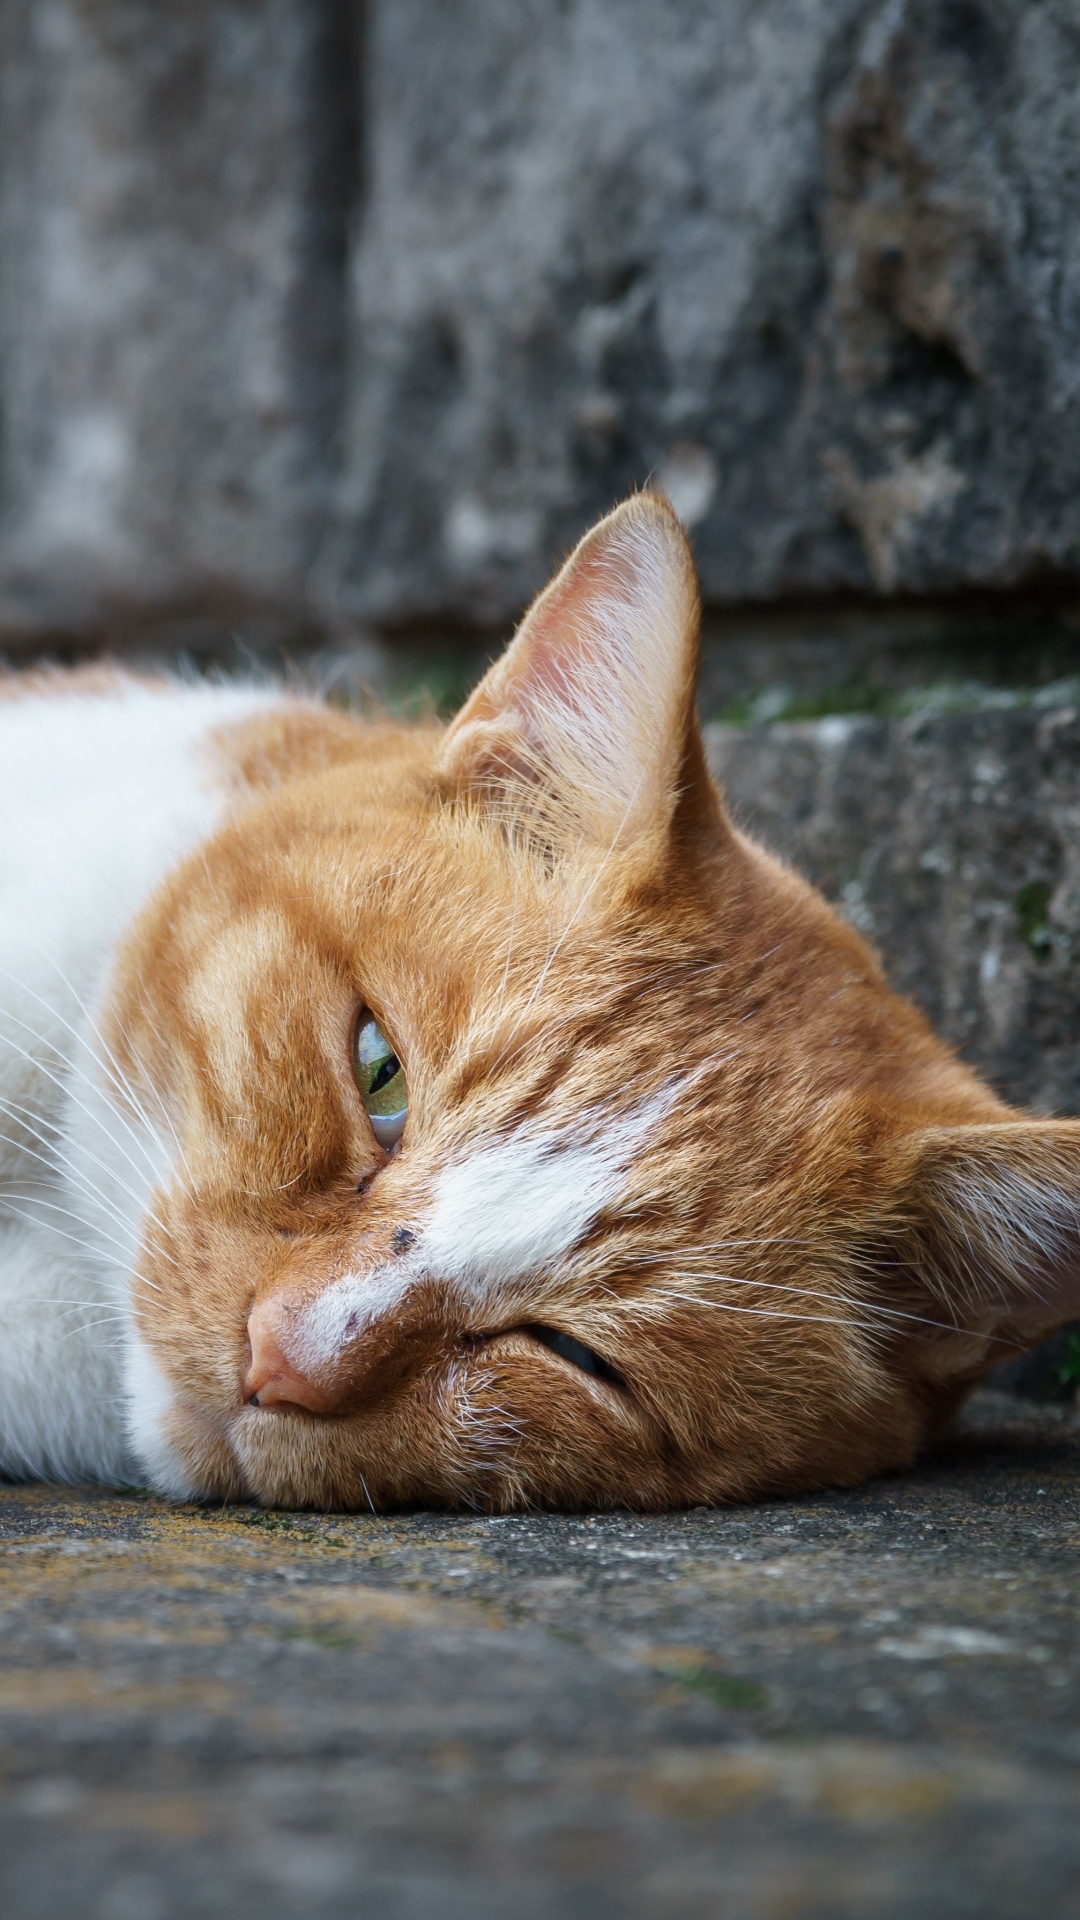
[953,840]
[812,264]
[174,186]
[859,1707]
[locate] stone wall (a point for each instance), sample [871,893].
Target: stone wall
[175,187]
[953,842]
[331,314]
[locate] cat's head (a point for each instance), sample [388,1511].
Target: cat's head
[536,1138]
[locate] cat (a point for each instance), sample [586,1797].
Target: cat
[473,1117]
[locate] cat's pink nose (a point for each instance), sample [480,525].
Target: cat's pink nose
[272,1380]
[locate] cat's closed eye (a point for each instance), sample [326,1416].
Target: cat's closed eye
[380,1077]
[576,1352]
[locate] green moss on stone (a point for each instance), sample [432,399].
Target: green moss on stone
[1032,919]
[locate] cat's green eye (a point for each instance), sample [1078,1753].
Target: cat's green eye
[380,1077]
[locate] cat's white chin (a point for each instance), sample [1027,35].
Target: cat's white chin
[150,1402]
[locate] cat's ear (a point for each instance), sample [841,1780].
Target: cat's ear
[591,707]
[988,1224]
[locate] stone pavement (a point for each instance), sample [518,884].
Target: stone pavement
[859,1704]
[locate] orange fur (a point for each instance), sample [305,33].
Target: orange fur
[553,939]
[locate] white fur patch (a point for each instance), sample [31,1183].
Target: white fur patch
[341,1313]
[99,795]
[519,1206]
[149,1398]
[60,1363]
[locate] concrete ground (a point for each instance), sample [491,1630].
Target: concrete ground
[856,1704]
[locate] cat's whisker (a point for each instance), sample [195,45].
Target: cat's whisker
[119,1080]
[83,1108]
[39,1125]
[73,1067]
[98,1122]
[127,1248]
[718,1246]
[769,1313]
[65,1165]
[141,1279]
[30,1199]
[884,1314]
[58,1164]
[8,1204]
[89,1326]
[834,1298]
[860,1303]
[47,1226]
[151,1086]
[94,1306]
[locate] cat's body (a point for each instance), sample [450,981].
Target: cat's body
[687,1205]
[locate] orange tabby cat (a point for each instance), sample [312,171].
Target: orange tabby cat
[475,1117]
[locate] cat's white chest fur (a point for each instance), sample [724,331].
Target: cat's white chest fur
[100,793]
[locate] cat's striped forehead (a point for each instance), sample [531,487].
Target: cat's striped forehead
[503,989]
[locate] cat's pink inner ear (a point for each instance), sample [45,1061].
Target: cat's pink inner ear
[593,699]
[996,1213]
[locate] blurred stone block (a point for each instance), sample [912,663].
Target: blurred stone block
[174,185]
[953,842]
[813,265]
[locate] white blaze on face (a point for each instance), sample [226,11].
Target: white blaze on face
[518,1207]
[341,1312]
[508,1213]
